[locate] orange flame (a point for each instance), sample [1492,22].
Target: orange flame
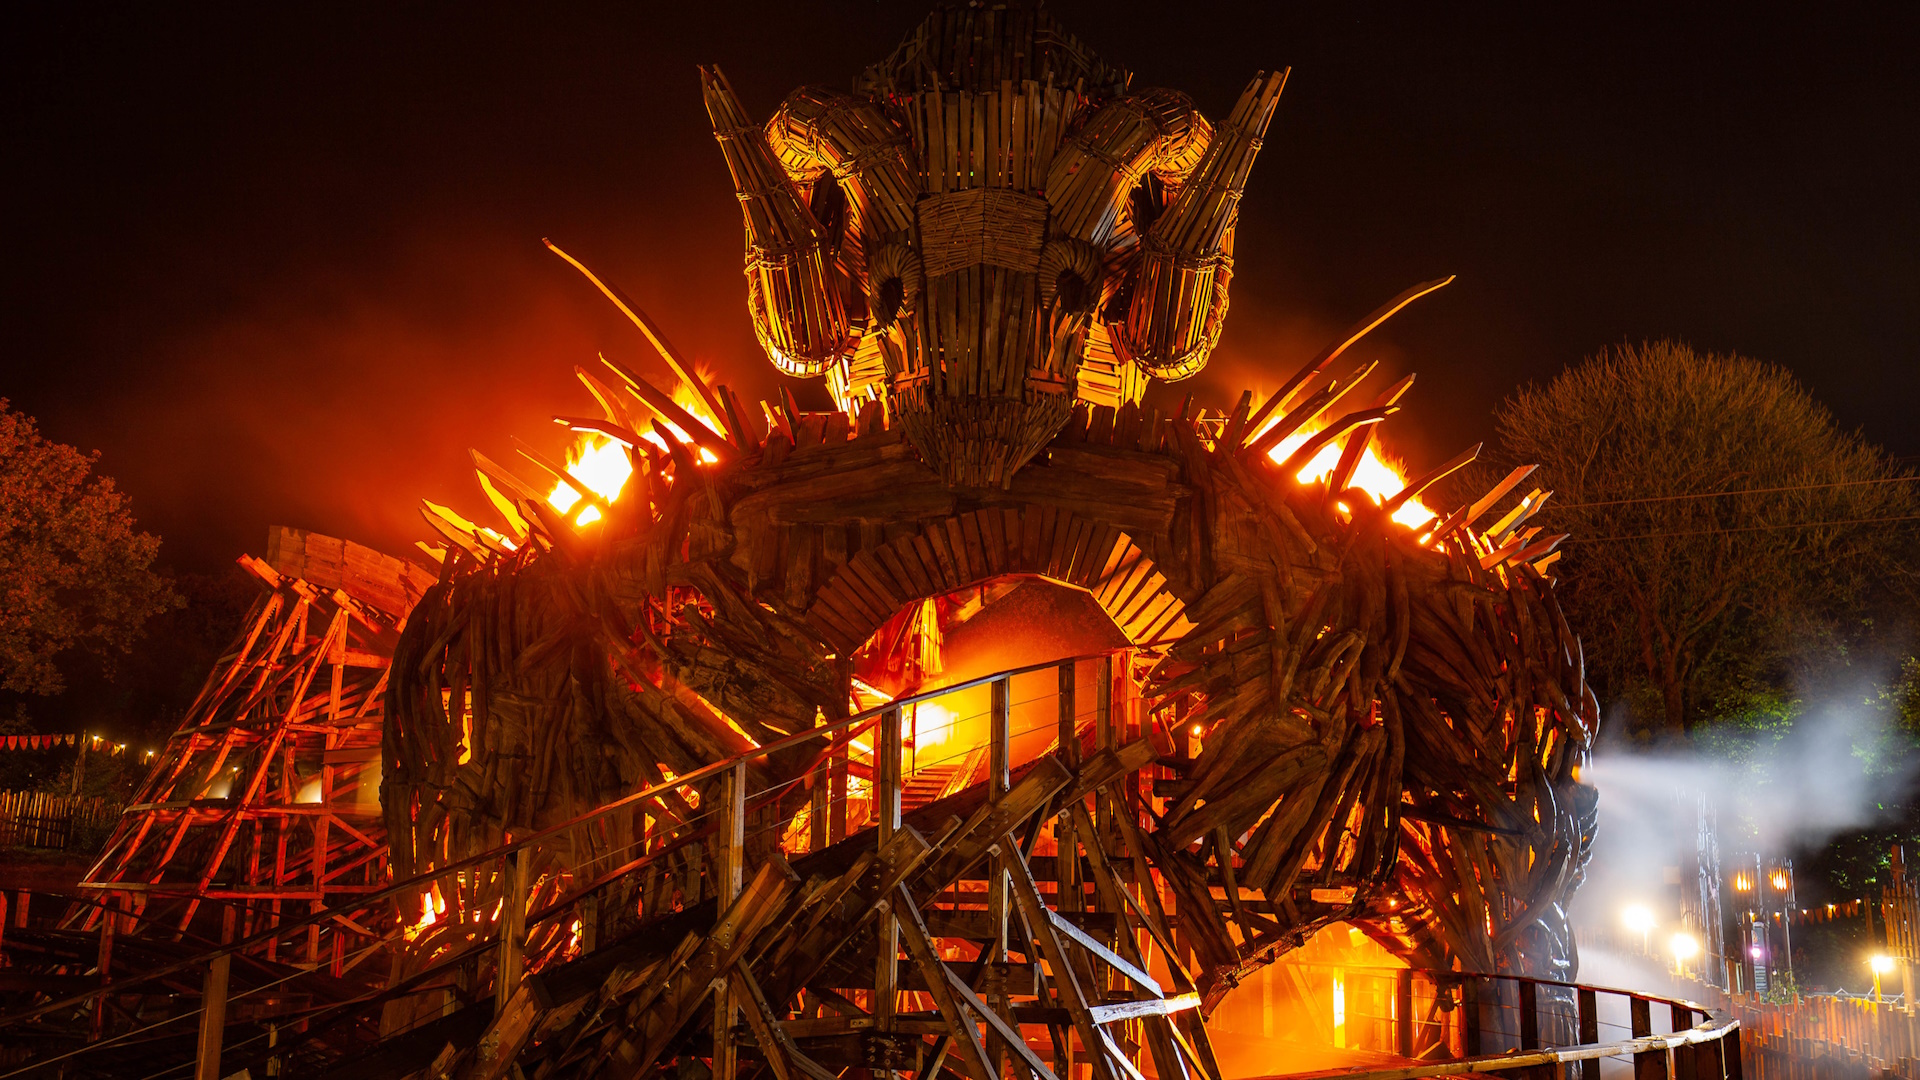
[1374,475]
[602,465]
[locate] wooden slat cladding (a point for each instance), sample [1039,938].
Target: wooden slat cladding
[981,226]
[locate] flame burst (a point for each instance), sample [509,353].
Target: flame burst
[1374,475]
[602,466]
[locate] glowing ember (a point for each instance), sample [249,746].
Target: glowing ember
[1373,475]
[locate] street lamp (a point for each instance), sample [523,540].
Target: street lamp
[1881,964]
[1685,948]
[1640,921]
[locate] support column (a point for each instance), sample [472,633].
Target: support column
[886,812]
[213,1018]
[513,930]
[727,880]
[999,779]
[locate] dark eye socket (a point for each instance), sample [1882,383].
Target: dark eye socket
[1071,288]
[1146,201]
[892,294]
[829,205]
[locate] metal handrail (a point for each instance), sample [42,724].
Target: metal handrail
[1710,1029]
[414,883]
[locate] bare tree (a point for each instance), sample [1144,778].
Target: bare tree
[75,575]
[1720,518]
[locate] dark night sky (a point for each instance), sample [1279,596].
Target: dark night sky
[282,264]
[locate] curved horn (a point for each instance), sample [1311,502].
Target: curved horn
[792,291]
[1180,300]
[817,132]
[1088,182]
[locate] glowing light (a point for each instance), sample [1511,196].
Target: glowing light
[431,908]
[1638,919]
[1742,883]
[1882,963]
[602,466]
[932,724]
[1339,1010]
[1757,952]
[1684,947]
[1778,879]
[1372,475]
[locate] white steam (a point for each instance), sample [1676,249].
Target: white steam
[1783,782]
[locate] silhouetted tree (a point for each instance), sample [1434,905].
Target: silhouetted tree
[1721,521]
[76,576]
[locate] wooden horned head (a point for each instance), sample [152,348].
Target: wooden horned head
[991,226]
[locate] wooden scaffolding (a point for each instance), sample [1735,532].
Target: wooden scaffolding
[265,801]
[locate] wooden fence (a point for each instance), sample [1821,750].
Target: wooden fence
[1826,1038]
[40,819]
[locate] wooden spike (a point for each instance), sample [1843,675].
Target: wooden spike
[702,435]
[792,409]
[1433,476]
[1311,448]
[622,435]
[653,335]
[560,473]
[1468,515]
[607,396]
[500,476]
[1511,521]
[1356,447]
[1312,369]
[463,533]
[743,433]
[503,505]
[1316,407]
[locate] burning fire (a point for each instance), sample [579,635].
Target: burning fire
[1373,475]
[603,467]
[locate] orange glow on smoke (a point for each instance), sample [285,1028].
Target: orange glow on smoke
[1374,475]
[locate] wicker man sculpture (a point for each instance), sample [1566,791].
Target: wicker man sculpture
[989,211]
[987,248]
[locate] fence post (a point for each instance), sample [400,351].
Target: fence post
[727,883]
[213,1018]
[1648,1064]
[838,771]
[109,917]
[1067,863]
[512,929]
[886,963]
[999,779]
[1529,1003]
[1589,1018]
[1470,1016]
